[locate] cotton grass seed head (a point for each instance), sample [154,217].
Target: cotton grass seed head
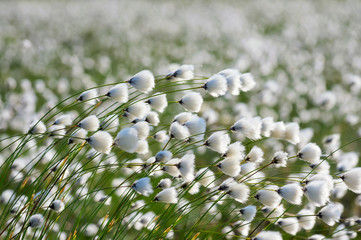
[57,206]
[249,127]
[90,97]
[127,139]
[292,193]
[268,196]
[178,131]
[248,213]
[118,93]
[218,142]
[158,102]
[36,221]
[192,101]
[247,82]
[216,85]
[143,186]
[78,137]
[143,81]
[37,127]
[101,141]
[163,156]
[352,179]
[90,123]
[310,153]
[168,195]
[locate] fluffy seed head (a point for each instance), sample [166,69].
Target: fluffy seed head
[143,186]
[101,141]
[178,131]
[268,126]
[249,127]
[255,155]
[205,177]
[90,123]
[152,118]
[186,167]
[142,128]
[37,127]
[280,159]
[65,120]
[57,205]
[119,93]
[269,196]
[331,213]
[143,81]
[36,221]
[163,156]
[196,126]
[218,142]
[292,193]
[235,151]
[278,130]
[158,102]
[164,183]
[216,85]
[289,225]
[138,110]
[230,167]
[127,139]
[78,137]
[184,72]
[240,192]
[161,136]
[292,133]
[268,235]
[168,195]
[89,96]
[249,212]
[306,219]
[192,101]
[352,179]
[247,82]
[310,153]
[317,192]
[57,131]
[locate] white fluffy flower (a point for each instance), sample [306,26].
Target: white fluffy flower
[37,127]
[205,177]
[233,84]
[255,155]
[310,153]
[230,167]
[168,195]
[164,183]
[331,213]
[268,235]
[268,196]
[152,118]
[119,93]
[352,179]
[178,131]
[138,110]
[192,101]
[127,139]
[247,82]
[143,81]
[240,192]
[227,184]
[158,102]
[90,123]
[272,213]
[248,212]
[36,221]
[235,151]
[306,219]
[292,133]
[101,141]
[161,136]
[289,225]
[216,85]
[57,131]
[184,72]
[292,193]
[279,130]
[57,205]
[142,128]
[89,96]
[143,186]
[218,142]
[317,192]
[163,156]
[65,120]
[196,126]
[249,127]
[268,126]
[171,168]
[186,167]
[280,159]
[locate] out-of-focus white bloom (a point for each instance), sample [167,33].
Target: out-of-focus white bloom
[292,133]
[90,123]
[310,153]
[268,235]
[248,167]
[78,137]
[65,120]
[7,196]
[152,118]
[289,225]
[91,230]
[255,155]
[186,167]
[227,184]
[138,110]
[316,237]
[205,177]
[292,193]
[161,136]
[158,102]
[230,166]
[119,93]
[37,127]
[143,186]
[196,127]
[36,221]
[278,130]
[233,84]
[110,123]
[210,115]
[216,85]
[192,101]
[272,213]
[168,195]
[317,192]
[347,161]
[235,151]
[178,131]
[280,159]
[143,81]
[352,179]
[240,192]
[326,100]
[57,205]
[57,131]
[323,177]
[218,142]
[306,219]
[268,196]
[127,139]
[164,183]
[268,126]
[331,213]
[183,117]
[171,168]
[163,156]
[101,141]
[142,128]
[184,72]
[248,212]
[247,82]
[250,127]
[322,167]
[89,96]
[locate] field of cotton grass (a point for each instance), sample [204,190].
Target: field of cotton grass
[180,120]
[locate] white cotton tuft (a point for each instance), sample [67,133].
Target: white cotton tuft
[272,213]
[91,230]
[36,221]
[138,110]
[152,118]
[247,82]
[240,192]
[255,155]
[178,131]
[292,193]
[171,168]
[218,142]
[192,101]
[164,183]
[233,84]
[127,139]
[119,93]
[79,136]
[249,127]
[248,167]
[101,141]
[227,184]
[216,85]
[90,123]
[142,128]
[235,151]
[310,153]
[161,136]
[57,131]
[168,195]
[205,177]
[347,161]
[317,192]
[306,219]
[110,123]
[37,127]
[163,156]
[7,196]
[158,102]
[142,147]
[268,126]
[196,126]
[143,81]
[65,120]
[268,196]
[279,130]
[186,167]
[317,237]
[248,212]
[90,97]
[292,132]
[230,167]
[331,213]
[280,159]
[352,179]
[268,235]
[57,206]
[143,186]
[289,225]
[322,167]
[184,72]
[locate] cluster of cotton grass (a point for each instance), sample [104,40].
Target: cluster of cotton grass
[152,157]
